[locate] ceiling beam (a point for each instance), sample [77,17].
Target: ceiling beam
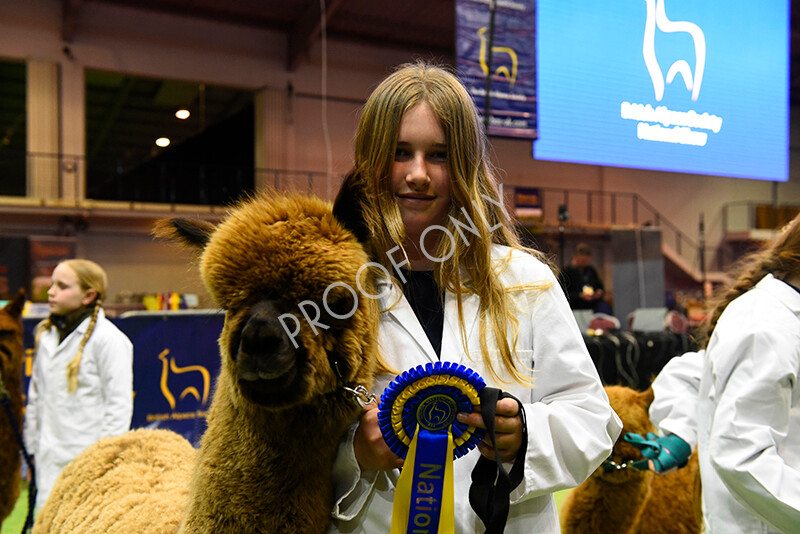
[306,29]
[70,14]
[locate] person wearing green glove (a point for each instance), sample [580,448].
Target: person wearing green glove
[748,401]
[673,412]
[738,399]
[664,454]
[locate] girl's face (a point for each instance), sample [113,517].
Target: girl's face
[420,173]
[65,294]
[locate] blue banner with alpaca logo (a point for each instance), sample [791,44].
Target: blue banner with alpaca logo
[510,56]
[175,364]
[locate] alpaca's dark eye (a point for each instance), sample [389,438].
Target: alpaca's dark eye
[339,305]
[236,318]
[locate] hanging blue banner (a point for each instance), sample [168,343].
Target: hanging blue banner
[513,65]
[175,365]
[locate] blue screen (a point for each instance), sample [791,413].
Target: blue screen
[673,85]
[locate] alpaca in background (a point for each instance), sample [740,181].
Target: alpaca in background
[629,501]
[11,397]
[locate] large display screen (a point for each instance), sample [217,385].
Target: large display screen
[673,85]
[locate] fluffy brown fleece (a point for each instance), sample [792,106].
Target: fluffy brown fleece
[278,411]
[629,501]
[265,462]
[11,373]
[136,482]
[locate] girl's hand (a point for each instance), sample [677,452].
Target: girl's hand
[507,429]
[371,450]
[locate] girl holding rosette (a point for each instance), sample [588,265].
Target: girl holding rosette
[461,294]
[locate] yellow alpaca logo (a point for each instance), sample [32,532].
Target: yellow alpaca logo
[502,70]
[191,390]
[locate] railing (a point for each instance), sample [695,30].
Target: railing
[169,182]
[316,182]
[603,209]
[747,225]
[155,181]
[745,216]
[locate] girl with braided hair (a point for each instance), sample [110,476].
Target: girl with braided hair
[748,413]
[81,388]
[739,399]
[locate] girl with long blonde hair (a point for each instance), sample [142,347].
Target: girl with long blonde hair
[424,197]
[81,387]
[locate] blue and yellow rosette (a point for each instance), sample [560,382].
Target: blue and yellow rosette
[417,416]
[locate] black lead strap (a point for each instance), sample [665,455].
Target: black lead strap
[490,492]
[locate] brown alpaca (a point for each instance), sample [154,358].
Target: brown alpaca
[279,411]
[629,501]
[11,374]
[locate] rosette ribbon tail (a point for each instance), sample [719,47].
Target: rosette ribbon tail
[423,501]
[418,420]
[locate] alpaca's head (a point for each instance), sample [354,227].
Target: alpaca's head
[632,408]
[298,324]
[11,342]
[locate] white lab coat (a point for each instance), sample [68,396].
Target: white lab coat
[60,425]
[674,409]
[571,426]
[749,414]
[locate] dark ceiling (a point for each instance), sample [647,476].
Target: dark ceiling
[423,26]
[418,25]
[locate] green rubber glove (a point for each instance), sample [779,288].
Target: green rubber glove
[666,452]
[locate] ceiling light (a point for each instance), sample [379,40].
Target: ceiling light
[182,114]
[162,142]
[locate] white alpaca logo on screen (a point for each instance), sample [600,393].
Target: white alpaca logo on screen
[657,18]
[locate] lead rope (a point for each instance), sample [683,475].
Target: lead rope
[5,400]
[611,465]
[490,491]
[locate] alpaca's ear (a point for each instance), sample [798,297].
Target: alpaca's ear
[348,211]
[191,232]
[646,398]
[15,305]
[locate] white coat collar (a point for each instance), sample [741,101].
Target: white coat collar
[397,307]
[782,291]
[79,331]
[84,325]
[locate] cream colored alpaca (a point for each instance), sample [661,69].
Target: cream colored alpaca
[136,482]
